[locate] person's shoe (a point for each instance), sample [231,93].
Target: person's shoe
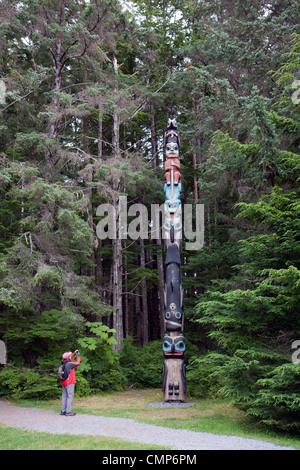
[62,413]
[70,414]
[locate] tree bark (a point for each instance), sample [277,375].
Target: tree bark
[117,243]
[100,133]
[195,177]
[126,302]
[54,107]
[85,120]
[116,119]
[153,139]
[117,273]
[117,293]
[145,326]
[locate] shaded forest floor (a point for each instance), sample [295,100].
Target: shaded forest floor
[217,416]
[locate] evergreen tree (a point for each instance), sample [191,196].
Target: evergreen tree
[90,87]
[44,270]
[255,321]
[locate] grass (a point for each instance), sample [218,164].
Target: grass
[217,416]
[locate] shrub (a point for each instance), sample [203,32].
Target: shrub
[102,370]
[142,366]
[27,383]
[202,378]
[82,388]
[278,402]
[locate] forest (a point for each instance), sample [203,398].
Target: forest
[87,88]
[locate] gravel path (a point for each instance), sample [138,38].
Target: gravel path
[49,421]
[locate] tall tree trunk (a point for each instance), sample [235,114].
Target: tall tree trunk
[145,333]
[85,120]
[51,156]
[195,177]
[137,306]
[117,243]
[117,269]
[100,133]
[153,139]
[126,301]
[159,258]
[116,119]
[196,151]
[117,292]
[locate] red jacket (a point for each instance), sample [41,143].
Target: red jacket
[71,366]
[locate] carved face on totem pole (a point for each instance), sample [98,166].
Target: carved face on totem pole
[172,134]
[172,164]
[174,346]
[172,150]
[173,317]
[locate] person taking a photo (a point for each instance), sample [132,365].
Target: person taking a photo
[68,385]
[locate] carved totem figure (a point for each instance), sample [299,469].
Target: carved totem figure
[174,381]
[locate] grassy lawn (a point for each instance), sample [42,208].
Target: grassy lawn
[217,416]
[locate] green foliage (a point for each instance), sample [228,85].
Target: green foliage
[83,388]
[238,376]
[142,366]
[201,375]
[102,334]
[50,276]
[104,372]
[206,63]
[253,316]
[277,402]
[238,317]
[20,383]
[253,326]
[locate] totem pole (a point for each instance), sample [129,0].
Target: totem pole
[174,381]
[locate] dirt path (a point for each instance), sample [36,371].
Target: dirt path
[36,419]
